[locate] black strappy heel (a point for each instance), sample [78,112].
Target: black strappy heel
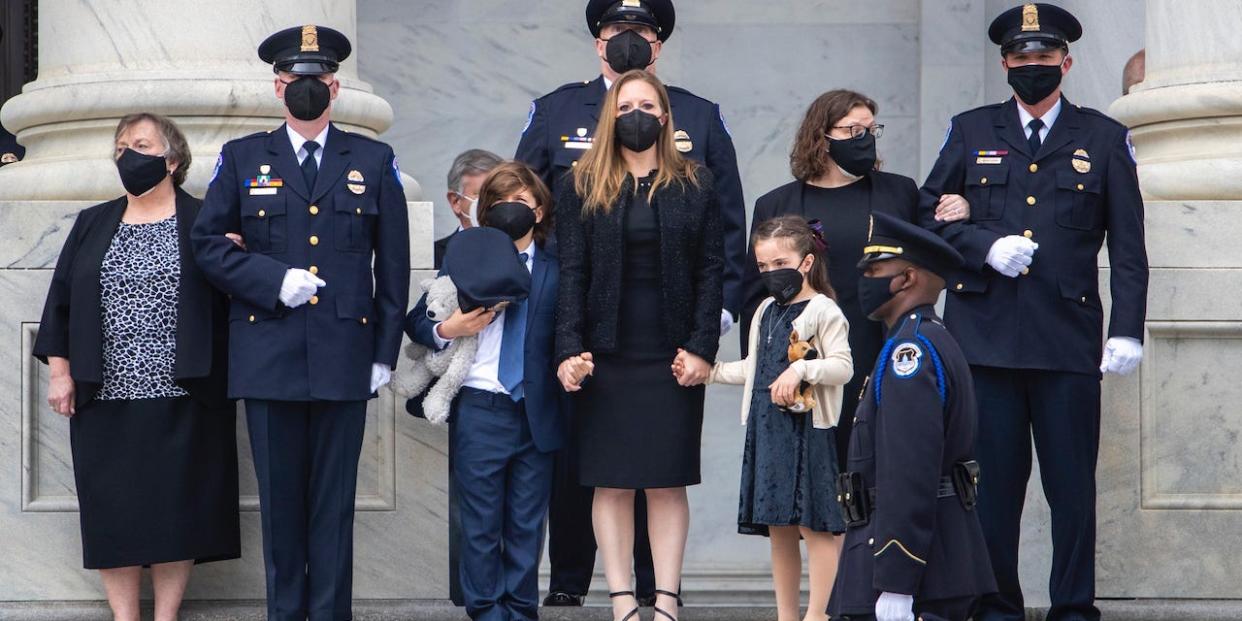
[661,611]
[624,594]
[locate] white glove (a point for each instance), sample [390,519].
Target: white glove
[298,287]
[1010,255]
[726,322]
[1122,355]
[894,607]
[380,374]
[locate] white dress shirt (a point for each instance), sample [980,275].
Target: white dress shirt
[485,372]
[299,150]
[1048,118]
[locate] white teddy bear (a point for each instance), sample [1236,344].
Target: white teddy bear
[450,365]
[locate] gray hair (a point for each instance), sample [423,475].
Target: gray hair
[472,162]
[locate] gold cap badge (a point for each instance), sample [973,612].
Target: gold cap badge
[310,39]
[1030,18]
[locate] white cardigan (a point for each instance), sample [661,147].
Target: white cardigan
[828,374]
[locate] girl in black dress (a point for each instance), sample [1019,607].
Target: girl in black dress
[640,293]
[789,464]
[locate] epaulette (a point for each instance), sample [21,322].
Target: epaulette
[682,91]
[1096,113]
[572,86]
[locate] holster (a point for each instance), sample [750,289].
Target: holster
[966,482]
[854,500]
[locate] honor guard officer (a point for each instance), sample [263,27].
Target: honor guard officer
[913,545]
[1048,183]
[310,339]
[629,34]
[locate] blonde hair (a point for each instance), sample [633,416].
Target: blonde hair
[601,171]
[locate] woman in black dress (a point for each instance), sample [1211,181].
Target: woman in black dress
[640,294]
[135,340]
[838,182]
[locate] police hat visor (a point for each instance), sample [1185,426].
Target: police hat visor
[308,67]
[1040,43]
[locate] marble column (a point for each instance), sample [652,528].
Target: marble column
[1170,499]
[194,61]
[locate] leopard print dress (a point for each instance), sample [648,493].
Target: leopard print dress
[139,283]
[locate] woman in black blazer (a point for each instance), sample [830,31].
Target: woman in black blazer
[136,342]
[838,182]
[639,313]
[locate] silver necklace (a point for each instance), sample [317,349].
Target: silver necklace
[779,321]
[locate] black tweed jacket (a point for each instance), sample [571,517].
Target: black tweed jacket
[691,260]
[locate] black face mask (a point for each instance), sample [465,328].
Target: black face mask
[140,173]
[515,219]
[783,284]
[1034,83]
[628,51]
[855,156]
[874,293]
[638,130]
[307,97]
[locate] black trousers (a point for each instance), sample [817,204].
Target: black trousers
[1062,412]
[306,458]
[571,537]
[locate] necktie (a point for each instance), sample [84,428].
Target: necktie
[309,168]
[511,345]
[1034,140]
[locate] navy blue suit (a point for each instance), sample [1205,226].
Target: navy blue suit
[916,419]
[561,123]
[305,372]
[502,461]
[1035,342]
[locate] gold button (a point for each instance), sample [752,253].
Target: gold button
[314,299]
[1080,187]
[1026,270]
[871,542]
[314,269]
[960,286]
[1028,233]
[314,209]
[358,211]
[314,240]
[1084,299]
[364,321]
[983,181]
[252,319]
[262,212]
[1030,200]
[1033,167]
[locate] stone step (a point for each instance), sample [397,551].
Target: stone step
[439,610]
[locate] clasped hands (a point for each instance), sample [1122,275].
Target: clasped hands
[689,370]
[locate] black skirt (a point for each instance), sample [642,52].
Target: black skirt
[634,426]
[157,482]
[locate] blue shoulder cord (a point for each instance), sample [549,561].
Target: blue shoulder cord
[931,350]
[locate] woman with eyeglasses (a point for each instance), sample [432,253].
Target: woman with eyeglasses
[838,182]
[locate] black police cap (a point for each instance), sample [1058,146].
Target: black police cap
[485,268]
[305,50]
[892,238]
[658,14]
[1034,27]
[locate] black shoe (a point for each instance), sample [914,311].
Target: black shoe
[561,598]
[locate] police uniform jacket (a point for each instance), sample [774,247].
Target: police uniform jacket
[356,213]
[916,419]
[1078,191]
[551,144]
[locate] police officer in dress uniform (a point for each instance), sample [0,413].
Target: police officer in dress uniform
[913,545]
[1048,183]
[629,35]
[310,339]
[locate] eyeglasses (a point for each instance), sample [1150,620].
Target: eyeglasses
[858,131]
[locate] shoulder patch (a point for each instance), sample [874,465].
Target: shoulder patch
[216,172]
[396,172]
[530,117]
[906,359]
